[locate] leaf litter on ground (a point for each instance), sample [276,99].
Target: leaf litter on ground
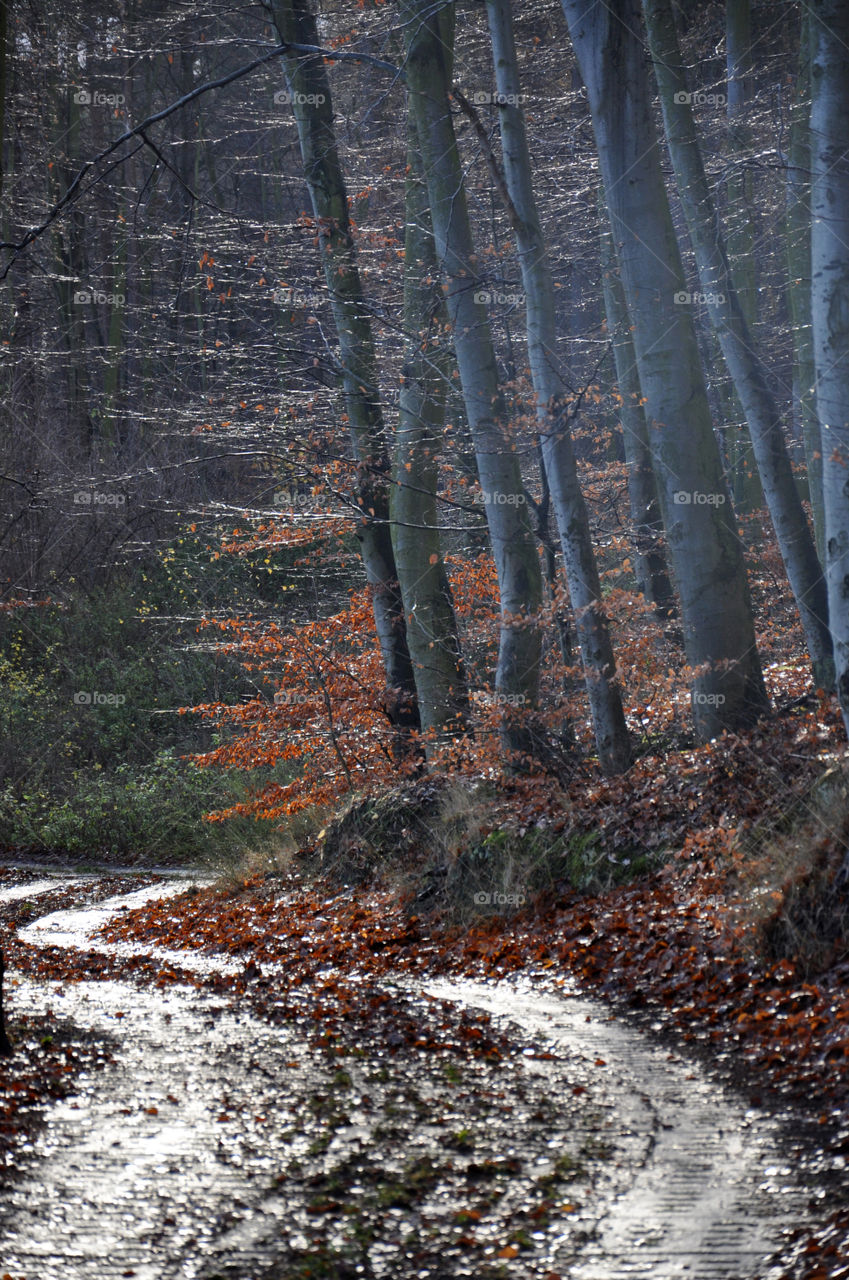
[668,947]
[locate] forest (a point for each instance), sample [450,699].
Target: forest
[424,526]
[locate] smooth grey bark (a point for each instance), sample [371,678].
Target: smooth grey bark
[798,256]
[649,555]
[707,561]
[428,36]
[4,24]
[740,218]
[115,344]
[553,579]
[313,110]
[830,303]
[71,250]
[551,391]
[431,624]
[747,370]
[741,236]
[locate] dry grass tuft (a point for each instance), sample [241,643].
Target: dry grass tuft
[791,890]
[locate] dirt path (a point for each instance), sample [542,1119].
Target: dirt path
[712,1193]
[216,1145]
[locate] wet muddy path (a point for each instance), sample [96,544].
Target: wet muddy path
[215,1144]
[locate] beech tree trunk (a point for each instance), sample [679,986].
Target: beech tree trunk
[428,35]
[728,689]
[738,344]
[5,1043]
[738,79]
[551,392]
[4,25]
[798,242]
[313,110]
[830,303]
[71,246]
[746,484]
[649,555]
[431,625]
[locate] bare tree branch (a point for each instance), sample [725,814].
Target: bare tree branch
[75,188]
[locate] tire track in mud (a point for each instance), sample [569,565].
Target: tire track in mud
[165,1161]
[141,1164]
[714,1191]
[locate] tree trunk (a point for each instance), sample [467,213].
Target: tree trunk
[551,393]
[72,274]
[115,342]
[719,635]
[650,558]
[4,28]
[830,303]
[741,235]
[798,241]
[5,1043]
[428,36]
[738,345]
[738,79]
[313,110]
[431,624]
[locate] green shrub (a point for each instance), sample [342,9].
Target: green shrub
[90,735]
[151,814]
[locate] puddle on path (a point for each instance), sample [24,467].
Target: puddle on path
[713,1193]
[78,928]
[163,1165]
[35,888]
[73,928]
[141,1163]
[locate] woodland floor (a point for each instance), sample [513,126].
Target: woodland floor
[463,1129]
[339,1078]
[300,1081]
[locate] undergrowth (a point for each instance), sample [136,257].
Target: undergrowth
[450,847]
[790,885]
